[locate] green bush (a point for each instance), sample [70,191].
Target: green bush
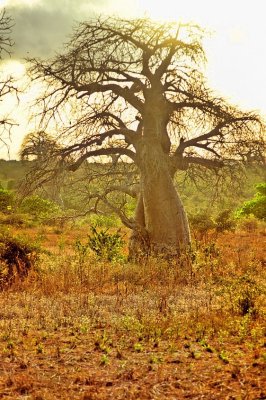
[104,221]
[255,206]
[106,245]
[6,200]
[39,208]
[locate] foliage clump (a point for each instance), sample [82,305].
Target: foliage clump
[106,245]
[225,221]
[202,222]
[39,208]
[6,200]
[257,205]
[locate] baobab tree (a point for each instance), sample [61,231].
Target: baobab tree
[37,146]
[135,89]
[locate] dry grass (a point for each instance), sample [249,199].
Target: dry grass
[88,329]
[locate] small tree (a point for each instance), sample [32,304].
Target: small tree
[37,146]
[39,208]
[40,148]
[134,91]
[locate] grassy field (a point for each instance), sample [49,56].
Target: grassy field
[83,328]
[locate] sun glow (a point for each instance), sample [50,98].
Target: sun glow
[236,59]
[13,68]
[176,10]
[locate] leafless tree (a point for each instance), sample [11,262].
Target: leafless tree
[37,146]
[135,89]
[7,85]
[43,153]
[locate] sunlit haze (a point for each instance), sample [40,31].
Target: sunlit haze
[235,47]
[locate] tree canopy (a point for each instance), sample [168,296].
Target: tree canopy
[37,145]
[118,75]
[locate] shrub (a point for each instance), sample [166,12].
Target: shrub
[6,200]
[39,208]
[202,222]
[249,223]
[16,259]
[106,245]
[104,221]
[255,206]
[14,220]
[224,221]
[244,293]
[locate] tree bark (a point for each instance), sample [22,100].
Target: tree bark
[139,246]
[159,211]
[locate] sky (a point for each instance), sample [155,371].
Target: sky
[236,47]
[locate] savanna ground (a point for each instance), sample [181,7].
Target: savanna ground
[83,328]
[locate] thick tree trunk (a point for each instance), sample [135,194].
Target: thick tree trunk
[139,246]
[160,212]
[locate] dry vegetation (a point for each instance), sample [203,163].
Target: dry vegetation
[82,328]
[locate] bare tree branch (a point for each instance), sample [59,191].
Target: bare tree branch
[7,85]
[101,152]
[6,25]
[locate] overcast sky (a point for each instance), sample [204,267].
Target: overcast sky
[42,26]
[236,51]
